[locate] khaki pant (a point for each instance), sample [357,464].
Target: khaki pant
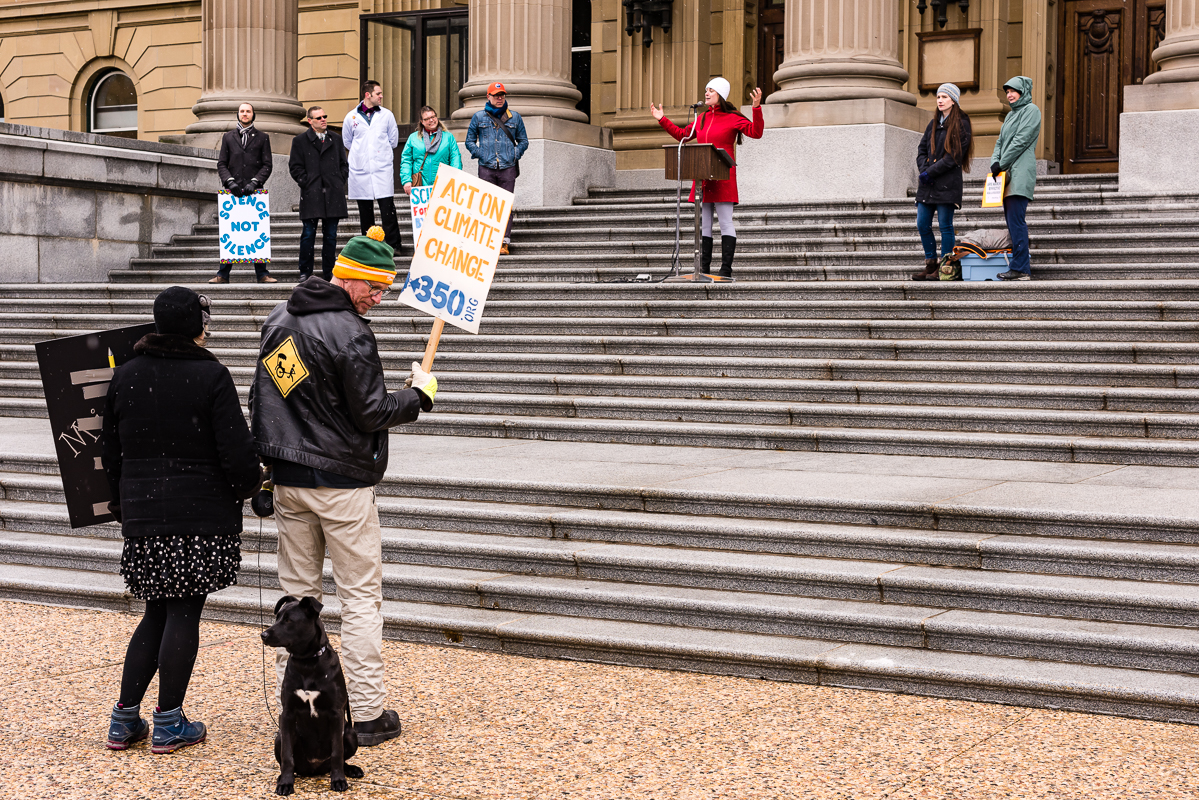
[347,522]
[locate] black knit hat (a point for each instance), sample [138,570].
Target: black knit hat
[179,311]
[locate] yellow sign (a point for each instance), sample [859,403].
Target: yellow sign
[285,367]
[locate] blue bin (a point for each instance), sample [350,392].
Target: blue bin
[975,268]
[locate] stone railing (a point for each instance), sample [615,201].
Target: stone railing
[74,206]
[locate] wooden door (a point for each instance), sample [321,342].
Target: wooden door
[770,44]
[1104,45]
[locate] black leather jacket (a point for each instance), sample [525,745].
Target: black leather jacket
[337,409]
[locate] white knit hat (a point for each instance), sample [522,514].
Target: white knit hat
[721,86]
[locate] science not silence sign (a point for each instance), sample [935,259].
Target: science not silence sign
[76,371]
[459,248]
[419,200]
[245,227]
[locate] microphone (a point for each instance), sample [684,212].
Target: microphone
[700,104]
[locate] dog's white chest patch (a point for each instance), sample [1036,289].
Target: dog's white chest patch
[308,697]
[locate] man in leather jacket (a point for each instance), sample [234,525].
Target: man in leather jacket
[320,415]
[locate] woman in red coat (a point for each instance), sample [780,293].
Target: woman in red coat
[720,124]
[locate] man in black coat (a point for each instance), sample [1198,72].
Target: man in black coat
[318,163]
[243,166]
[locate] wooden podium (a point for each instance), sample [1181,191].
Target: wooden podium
[696,162]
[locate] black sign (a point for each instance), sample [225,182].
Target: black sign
[76,372]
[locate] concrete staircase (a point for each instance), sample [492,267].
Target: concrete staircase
[806,562]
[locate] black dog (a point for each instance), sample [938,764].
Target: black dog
[316,734]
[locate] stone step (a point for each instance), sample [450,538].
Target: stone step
[861,602]
[20,381]
[25,327]
[502,535]
[753,238]
[651,271]
[572,293]
[743,348]
[1116,375]
[921,670]
[236,312]
[1103,516]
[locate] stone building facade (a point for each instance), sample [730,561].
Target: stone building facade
[849,82]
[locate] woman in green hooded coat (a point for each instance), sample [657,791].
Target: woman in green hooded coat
[429,146]
[1015,153]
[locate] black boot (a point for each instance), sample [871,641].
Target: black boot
[728,246]
[705,254]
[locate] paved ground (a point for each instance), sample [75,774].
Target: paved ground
[480,725]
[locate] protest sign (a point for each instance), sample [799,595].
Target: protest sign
[76,372]
[994,189]
[245,228]
[455,261]
[419,199]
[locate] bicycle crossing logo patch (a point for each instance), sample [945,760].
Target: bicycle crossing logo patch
[285,367]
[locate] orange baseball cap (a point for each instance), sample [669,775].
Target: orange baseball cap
[496,88]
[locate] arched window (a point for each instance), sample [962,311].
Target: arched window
[113,106]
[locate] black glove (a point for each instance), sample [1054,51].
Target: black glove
[237,191]
[263,501]
[233,188]
[995,170]
[924,177]
[252,186]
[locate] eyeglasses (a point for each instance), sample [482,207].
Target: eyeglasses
[378,291]
[318,119]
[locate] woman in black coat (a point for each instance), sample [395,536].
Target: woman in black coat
[944,151]
[179,460]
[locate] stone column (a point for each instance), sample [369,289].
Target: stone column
[841,50]
[1178,54]
[1162,115]
[525,44]
[840,102]
[250,54]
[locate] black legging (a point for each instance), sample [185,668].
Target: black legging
[166,641]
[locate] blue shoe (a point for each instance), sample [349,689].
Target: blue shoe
[172,731]
[126,727]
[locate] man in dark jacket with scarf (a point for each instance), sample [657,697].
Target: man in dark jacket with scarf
[496,138]
[320,414]
[243,165]
[318,164]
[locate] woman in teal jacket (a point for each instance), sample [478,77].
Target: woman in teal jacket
[429,146]
[1015,153]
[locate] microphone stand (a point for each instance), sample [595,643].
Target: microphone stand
[675,271]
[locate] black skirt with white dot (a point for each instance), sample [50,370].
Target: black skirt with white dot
[180,565]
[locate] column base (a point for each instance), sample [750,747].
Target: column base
[564,160]
[1158,119]
[843,150]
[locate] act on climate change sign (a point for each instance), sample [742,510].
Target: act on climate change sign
[244,227]
[459,248]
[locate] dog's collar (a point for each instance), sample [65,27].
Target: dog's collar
[317,654]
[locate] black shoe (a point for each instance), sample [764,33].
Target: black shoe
[728,248]
[378,731]
[1012,275]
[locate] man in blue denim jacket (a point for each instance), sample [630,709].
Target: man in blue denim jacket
[497,139]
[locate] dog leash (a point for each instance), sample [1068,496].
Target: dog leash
[266,699]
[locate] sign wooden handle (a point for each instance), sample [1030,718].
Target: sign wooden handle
[431,347]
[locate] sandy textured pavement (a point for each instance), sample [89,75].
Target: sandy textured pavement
[481,725]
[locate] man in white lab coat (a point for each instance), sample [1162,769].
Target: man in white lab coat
[371,135]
